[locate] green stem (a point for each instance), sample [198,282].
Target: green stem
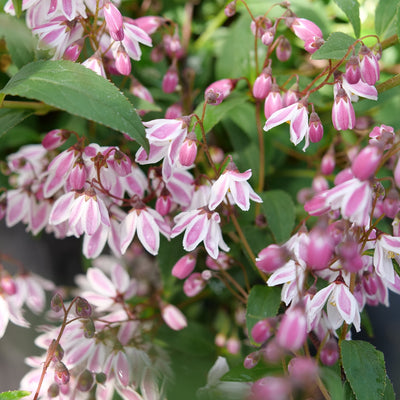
[390,41]
[389,84]
[38,107]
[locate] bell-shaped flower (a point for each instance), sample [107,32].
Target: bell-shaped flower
[369,66]
[234,182]
[200,225]
[387,249]
[309,32]
[341,305]
[297,115]
[133,35]
[343,116]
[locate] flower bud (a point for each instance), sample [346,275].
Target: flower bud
[96,65]
[55,138]
[343,116]
[270,388]
[283,50]
[330,352]
[273,101]
[61,373]
[353,73]
[56,303]
[291,96]
[101,377]
[382,136]
[157,54]
[366,162]
[194,284]
[173,317]
[391,203]
[58,352]
[319,249]
[369,66]
[170,80]
[82,307]
[230,9]
[219,90]
[233,345]
[328,162]
[261,331]
[163,204]
[114,21]
[316,130]
[303,370]
[53,390]
[251,360]
[223,261]
[262,84]
[174,111]
[85,381]
[350,255]
[292,331]
[271,258]
[273,352]
[7,284]
[122,61]
[89,329]
[184,266]
[268,36]
[188,151]
[173,46]
[77,177]
[260,25]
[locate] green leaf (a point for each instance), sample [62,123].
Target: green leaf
[20,42]
[364,367]
[389,391]
[14,395]
[263,302]
[279,209]
[352,10]
[336,47]
[242,374]
[333,383]
[386,18]
[73,88]
[11,117]
[369,252]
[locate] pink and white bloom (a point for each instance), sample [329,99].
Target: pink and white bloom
[342,306]
[200,225]
[292,331]
[234,182]
[133,35]
[297,115]
[173,317]
[387,249]
[309,32]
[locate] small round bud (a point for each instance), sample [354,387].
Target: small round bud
[173,317]
[271,258]
[56,303]
[55,138]
[230,9]
[194,284]
[61,373]
[170,80]
[261,331]
[8,285]
[251,360]
[233,345]
[283,50]
[82,307]
[85,381]
[330,352]
[184,266]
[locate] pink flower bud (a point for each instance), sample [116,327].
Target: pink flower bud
[319,184]
[230,9]
[273,352]
[291,96]
[316,130]
[292,331]
[270,388]
[353,73]
[96,65]
[328,162]
[173,46]
[396,173]
[61,373]
[82,307]
[56,303]
[271,258]
[262,84]
[251,360]
[268,36]
[351,257]
[55,138]
[194,284]
[85,381]
[305,30]
[319,249]
[369,66]
[77,177]
[138,90]
[184,266]
[260,25]
[170,80]
[367,161]
[188,151]
[8,285]
[114,21]
[120,163]
[157,54]
[330,352]
[370,283]
[163,204]
[343,116]
[261,331]
[219,91]
[303,370]
[223,261]
[173,317]
[73,51]
[283,50]
[174,111]
[220,340]
[391,203]
[273,102]
[382,136]
[233,345]
[122,62]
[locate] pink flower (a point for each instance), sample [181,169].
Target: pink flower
[114,21]
[133,35]
[234,182]
[219,90]
[297,115]
[173,317]
[369,66]
[200,225]
[309,33]
[343,116]
[387,248]
[292,331]
[273,101]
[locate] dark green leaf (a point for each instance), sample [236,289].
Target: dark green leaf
[386,18]
[242,374]
[369,252]
[336,47]
[333,383]
[352,10]
[279,210]
[263,302]
[17,7]
[73,88]
[389,391]
[14,395]
[19,39]
[367,379]
[11,117]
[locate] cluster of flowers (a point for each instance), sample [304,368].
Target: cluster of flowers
[100,346]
